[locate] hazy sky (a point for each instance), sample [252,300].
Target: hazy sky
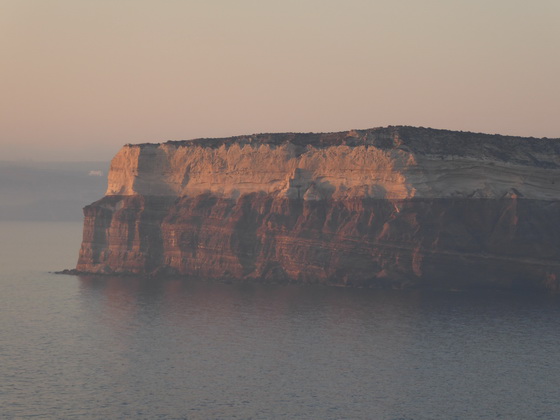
[80,78]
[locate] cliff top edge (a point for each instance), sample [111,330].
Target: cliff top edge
[417,139]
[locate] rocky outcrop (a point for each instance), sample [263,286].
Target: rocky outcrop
[388,207]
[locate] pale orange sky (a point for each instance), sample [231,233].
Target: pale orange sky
[80,78]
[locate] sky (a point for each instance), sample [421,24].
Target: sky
[80,78]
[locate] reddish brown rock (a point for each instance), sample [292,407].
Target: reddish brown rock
[469,233]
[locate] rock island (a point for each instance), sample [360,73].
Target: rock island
[398,207]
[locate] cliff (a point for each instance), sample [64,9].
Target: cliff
[390,207]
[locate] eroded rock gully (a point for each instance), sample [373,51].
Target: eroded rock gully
[390,207]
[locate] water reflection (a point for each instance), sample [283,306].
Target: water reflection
[102,347]
[210,350]
[343,311]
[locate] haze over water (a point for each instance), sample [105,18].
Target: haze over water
[135,348]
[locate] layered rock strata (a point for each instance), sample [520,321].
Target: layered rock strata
[387,207]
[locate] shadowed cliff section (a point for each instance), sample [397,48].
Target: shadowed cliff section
[413,208]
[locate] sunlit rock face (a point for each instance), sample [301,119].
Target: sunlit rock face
[387,207]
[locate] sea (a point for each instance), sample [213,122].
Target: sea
[85,347]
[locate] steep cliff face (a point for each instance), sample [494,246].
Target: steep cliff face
[389,207]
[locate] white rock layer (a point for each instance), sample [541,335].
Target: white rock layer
[324,172]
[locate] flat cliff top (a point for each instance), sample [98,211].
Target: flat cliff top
[388,163]
[416,140]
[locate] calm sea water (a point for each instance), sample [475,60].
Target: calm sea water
[100,348]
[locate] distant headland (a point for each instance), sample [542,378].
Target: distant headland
[396,207]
